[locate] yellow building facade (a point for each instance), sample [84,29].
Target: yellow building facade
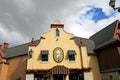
[58,57]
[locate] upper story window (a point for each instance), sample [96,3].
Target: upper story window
[44,55]
[57,33]
[71,55]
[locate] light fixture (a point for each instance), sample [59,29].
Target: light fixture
[30,53]
[113,3]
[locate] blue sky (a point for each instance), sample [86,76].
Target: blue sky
[98,14]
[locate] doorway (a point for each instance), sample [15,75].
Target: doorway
[76,76]
[58,77]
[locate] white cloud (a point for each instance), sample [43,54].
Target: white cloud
[25,5]
[28,18]
[117,3]
[82,25]
[11,37]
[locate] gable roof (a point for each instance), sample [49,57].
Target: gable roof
[105,36]
[18,50]
[88,42]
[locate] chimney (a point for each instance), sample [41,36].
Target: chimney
[81,42]
[5,46]
[32,42]
[0,46]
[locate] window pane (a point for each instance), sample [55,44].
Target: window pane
[44,57]
[76,76]
[57,32]
[71,57]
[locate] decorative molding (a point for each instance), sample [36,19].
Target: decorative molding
[80,69]
[91,54]
[42,37]
[87,69]
[28,71]
[72,38]
[38,71]
[57,26]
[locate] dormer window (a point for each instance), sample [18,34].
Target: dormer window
[57,33]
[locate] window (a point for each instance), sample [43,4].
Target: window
[71,55]
[44,55]
[76,76]
[57,33]
[42,77]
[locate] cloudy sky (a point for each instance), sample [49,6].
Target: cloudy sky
[20,20]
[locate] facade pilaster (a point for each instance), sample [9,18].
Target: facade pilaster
[29,76]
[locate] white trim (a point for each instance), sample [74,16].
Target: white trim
[87,76]
[29,76]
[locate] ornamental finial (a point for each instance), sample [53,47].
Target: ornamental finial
[57,21]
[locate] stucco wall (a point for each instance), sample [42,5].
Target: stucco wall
[50,43]
[3,72]
[64,41]
[17,68]
[95,73]
[0,67]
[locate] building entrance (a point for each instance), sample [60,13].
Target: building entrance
[58,77]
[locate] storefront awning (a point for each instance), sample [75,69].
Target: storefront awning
[44,51]
[59,70]
[71,52]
